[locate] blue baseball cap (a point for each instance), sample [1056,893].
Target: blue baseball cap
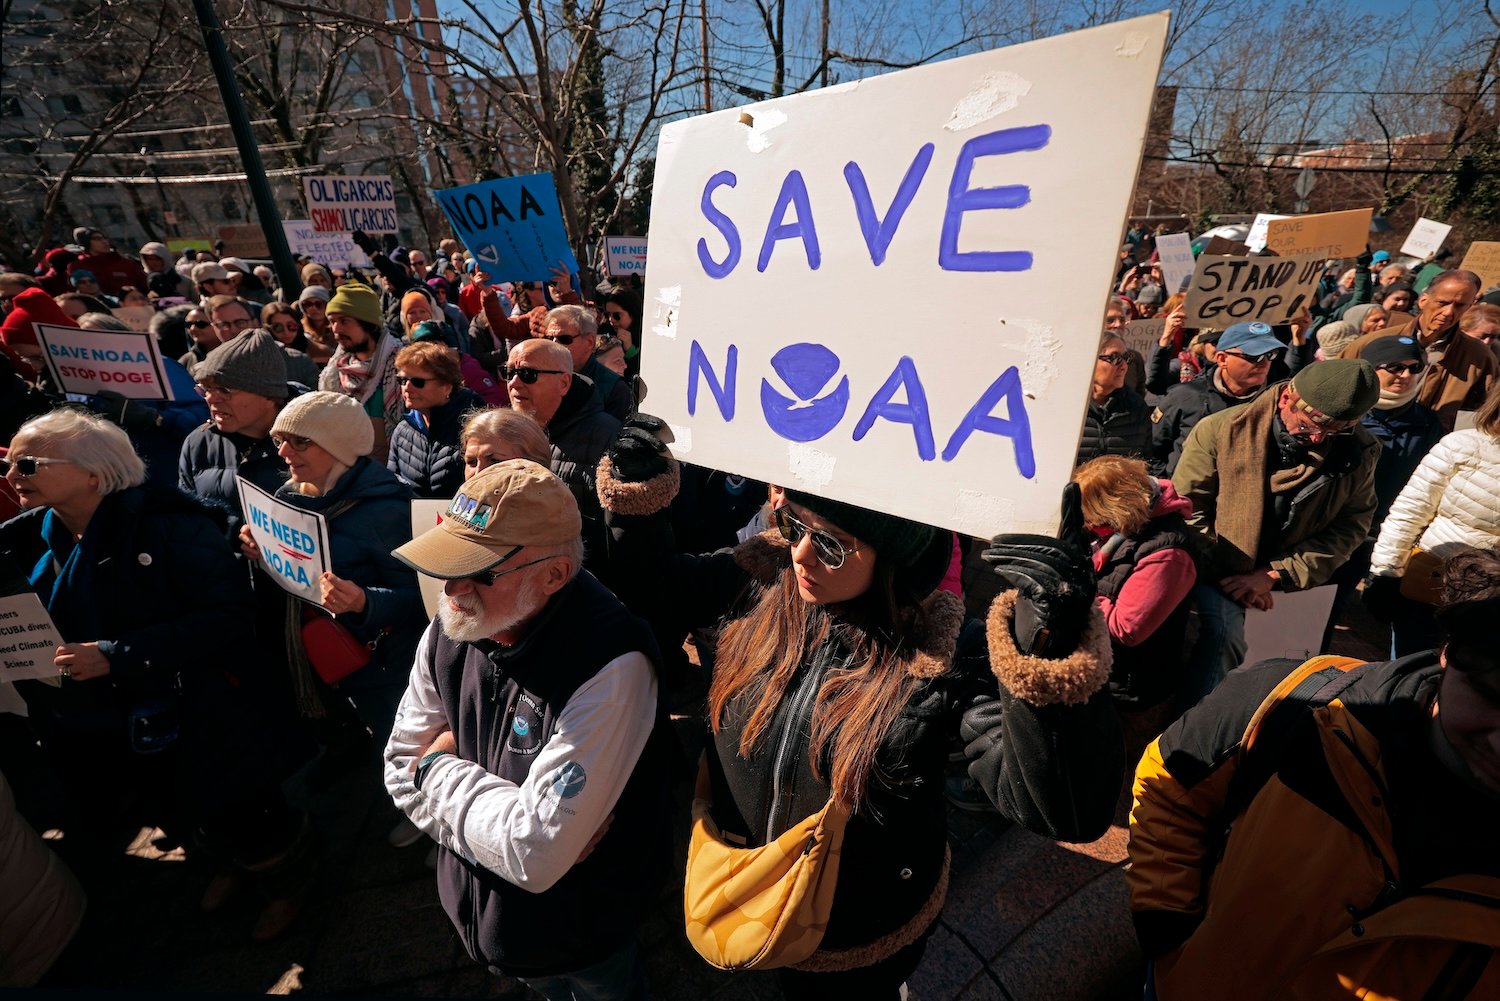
[81,275]
[1379,256]
[1253,338]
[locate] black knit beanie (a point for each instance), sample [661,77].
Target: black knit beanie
[920,553]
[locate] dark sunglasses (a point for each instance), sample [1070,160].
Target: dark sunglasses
[1116,358]
[830,551]
[414,381]
[486,578]
[615,315]
[298,443]
[527,374]
[1396,368]
[195,324]
[1253,359]
[203,390]
[27,465]
[563,339]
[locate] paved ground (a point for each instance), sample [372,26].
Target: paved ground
[1026,920]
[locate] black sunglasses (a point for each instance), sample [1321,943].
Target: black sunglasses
[830,551]
[1396,368]
[27,465]
[526,374]
[1116,358]
[1253,359]
[414,381]
[195,324]
[486,578]
[563,339]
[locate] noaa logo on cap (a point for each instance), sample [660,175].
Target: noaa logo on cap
[470,512]
[570,780]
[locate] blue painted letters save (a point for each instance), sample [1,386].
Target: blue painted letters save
[793,192]
[878,232]
[724,224]
[962,198]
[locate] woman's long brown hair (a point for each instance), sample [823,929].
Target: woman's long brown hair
[856,704]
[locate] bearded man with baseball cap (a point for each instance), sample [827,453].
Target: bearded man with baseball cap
[530,743]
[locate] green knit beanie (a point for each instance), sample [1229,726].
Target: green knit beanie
[1341,389]
[358,301]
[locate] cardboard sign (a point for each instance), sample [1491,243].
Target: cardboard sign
[244,241]
[1327,235]
[135,317]
[1256,238]
[293,543]
[426,514]
[1143,335]
[1293,628]
[1426,238]
[332,249]
[976,178]
[1483,259]
[90,361]
[513,225]
[343,204]
[1174,252]
[28,639]
[1220,246]
[1227,290]
[625,255]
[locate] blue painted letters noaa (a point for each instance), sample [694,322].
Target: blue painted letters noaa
[723,392]
[793,191]
[721,222]
[913,411]
[1016,426]
[962,198]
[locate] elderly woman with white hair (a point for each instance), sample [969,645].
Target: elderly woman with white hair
[161,715]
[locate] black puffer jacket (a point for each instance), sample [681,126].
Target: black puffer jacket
[429,459]
[1183,406]
[580,431]
[1121,425]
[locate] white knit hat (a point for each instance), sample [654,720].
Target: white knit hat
[335,422]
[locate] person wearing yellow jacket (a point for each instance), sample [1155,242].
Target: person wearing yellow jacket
[1340,844]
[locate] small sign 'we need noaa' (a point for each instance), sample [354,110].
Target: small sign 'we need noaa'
[293,543]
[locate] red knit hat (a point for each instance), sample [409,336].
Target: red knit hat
[31,306]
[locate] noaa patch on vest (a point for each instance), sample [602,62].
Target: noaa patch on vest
[520,726]
[570,780]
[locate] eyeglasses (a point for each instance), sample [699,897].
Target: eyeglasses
[26,465]
[198,324]
[239,324]
[204,391]
[297,442]
[1308,426]
[1396,368]
[830,551]
[1253,359]
[527,374]
[563,339]
[487,578]
[286,328]
[414,381]
[1116,358]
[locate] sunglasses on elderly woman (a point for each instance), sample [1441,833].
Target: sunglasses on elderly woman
[27,465]
[1116,358]
[526,374]
[1396,368]
[414,381]
[829,551]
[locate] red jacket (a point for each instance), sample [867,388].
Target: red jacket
[114,271]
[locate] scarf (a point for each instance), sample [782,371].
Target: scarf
[1395,401]
[359,378]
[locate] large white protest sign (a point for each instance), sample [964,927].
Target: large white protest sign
[976,179]
[1174,252]
[1228,290]
[28,639]
[625,255]
[293,543]
[332,249]
[90,361]
[427,514]
[1426,238]
[1143,335]
[1292,628]
[343,204]
[1256,238]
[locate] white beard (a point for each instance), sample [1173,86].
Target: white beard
[469,624]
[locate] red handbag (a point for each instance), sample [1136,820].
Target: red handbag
[331,649]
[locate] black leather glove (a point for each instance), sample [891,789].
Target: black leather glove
[1381,596]
[389,241]
[1364,260]
[638,454]
[131,415]
[1055,578]
[364,241]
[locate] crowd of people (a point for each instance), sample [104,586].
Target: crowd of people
[846,694]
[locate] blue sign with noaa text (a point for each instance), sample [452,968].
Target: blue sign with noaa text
[512,225]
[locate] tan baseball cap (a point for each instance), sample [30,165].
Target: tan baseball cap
[512,503]
[208,271]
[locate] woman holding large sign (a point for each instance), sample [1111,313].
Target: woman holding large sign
[840,676]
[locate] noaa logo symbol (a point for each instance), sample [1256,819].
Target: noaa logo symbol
[806,369]
[570,780]
[520,726]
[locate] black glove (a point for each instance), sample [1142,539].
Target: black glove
[389,241]
[1055,578]
[638,454]
[1381,596]
[1364,260]
[131,415]
[364,241]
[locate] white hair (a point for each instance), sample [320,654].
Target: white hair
[554,355]
[89,441]
[582,319]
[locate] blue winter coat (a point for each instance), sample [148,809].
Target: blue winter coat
[1406,435]
[428,458]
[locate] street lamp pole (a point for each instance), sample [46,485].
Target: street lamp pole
[244,138]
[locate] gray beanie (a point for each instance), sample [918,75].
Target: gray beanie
[317,292]
[335,422]
[252,362]
[1334,337]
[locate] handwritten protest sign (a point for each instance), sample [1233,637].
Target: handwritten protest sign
[1142,335]
[427,514]
[89,361]
[1175,253]
[325,248]
[513,225]
[1483,259]
[975,178]
[293,543]
[1227,290]
[1256,238]
[244,240]
[135,317]
[1292,628]
[28,639]
[1219,246]
[625,255]
[1329,234]
[1426,238]
[338,204]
